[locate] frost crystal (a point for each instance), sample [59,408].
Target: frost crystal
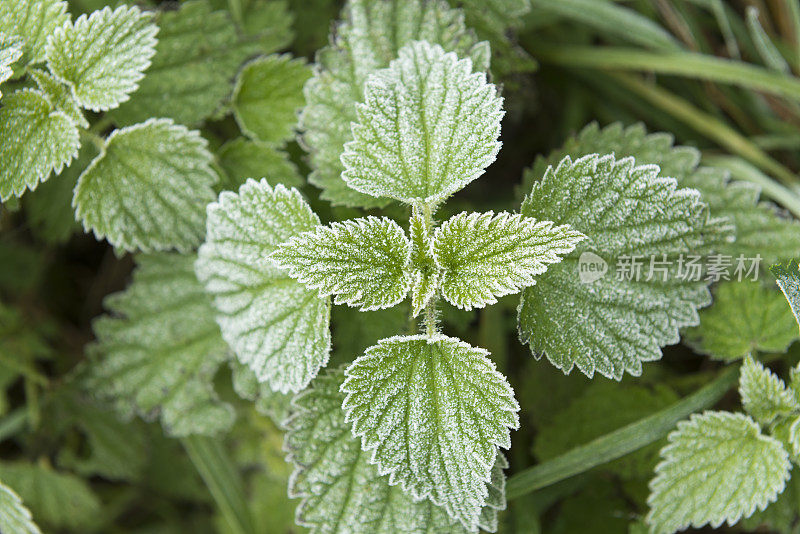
[274,324]
[363,262]
[432,411]
[717,467]
[428,127]
[613,322]
[370,36]
[484,256]
[148,189]
[102,57]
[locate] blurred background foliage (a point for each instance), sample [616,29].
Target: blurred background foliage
[721,76]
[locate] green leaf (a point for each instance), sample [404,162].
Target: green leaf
[60,96]
[764,395]
[33,21]
[717,467]
[760,229]
[432,412]
[9,54]
[428,127]
[266,25]
[789,281]
[157,353]
[275,325]
[103,57]
[624,210]
[35,140]
[148,189]
[603,408]
[242,159]
[341,490]
[484,256]
[197,56]
[267,96]
[14,517]
[746,316]
[363,262]
[370,35]
[57,500]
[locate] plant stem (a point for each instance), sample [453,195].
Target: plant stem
[92,137]
[430,308]
[223,481]
[620,442]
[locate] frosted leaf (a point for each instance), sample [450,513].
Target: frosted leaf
[432,411]
[341,490]
[362,262]
[268,95]
[9,54]
[370,35]
[159,348]
[32,21]
[103,56]
[148,189]
[789,281]
[609,322]
[58,501]
[241,159]
[15,518]
[198,53]
[426,274]
[35,140]
[717,468]
[745,317]
[764,395]
[59,96]
[484,256]
[759,227]
[274,324]
[428,127]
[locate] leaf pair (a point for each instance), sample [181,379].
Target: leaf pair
[473,258]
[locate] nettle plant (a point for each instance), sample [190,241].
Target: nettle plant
[235,269]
